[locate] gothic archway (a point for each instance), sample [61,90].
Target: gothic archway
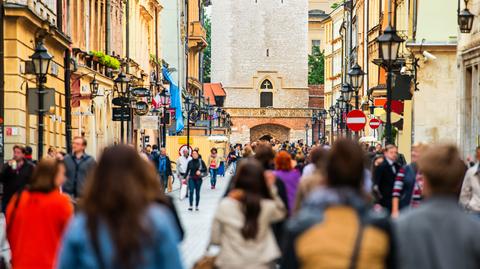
[269,131]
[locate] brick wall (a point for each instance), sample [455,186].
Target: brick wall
[316,96]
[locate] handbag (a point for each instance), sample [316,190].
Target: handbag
[206,261]
[183,189]
[203,173]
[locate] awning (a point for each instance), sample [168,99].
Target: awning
[212,90]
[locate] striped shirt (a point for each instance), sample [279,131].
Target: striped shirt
[417,194]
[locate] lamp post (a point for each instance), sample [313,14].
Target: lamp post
[323,115]
[314,121]
[465,18]
[389,44]
[331,112]
[356,81]
[188,106]
[211,112]
[122,85]
[41,62]
[165,99]
[306,133]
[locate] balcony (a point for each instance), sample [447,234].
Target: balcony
[197,36]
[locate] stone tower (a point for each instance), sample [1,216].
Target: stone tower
[260,54]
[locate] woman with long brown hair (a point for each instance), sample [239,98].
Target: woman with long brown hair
[242,224]
[120,224]
[38,216]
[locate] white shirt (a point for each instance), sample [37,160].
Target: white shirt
[470,194]
[182,163]
[390,162]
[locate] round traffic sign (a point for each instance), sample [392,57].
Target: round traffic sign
[375,123]
[184,147]
[356,120]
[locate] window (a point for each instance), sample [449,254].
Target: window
[266,84]
[315,43]
[266,99]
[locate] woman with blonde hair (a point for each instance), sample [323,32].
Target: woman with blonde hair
[120,224]
[38,216]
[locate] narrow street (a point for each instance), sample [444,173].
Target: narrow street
[197,224]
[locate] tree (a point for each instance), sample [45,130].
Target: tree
[207,53]
[316,67]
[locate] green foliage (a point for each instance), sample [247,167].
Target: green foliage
[106,60]
[316,67]
[207,53]
[335,5]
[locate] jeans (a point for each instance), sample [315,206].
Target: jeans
[164,182]
[234,167]
[194,185]
[213,177]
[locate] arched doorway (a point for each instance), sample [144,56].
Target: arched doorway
[269,132]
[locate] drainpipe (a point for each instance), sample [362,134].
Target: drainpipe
[127,69]
[108,26]
[2,83]
[60,15]
[68,103]
[366,17]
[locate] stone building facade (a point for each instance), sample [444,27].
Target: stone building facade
[262,64]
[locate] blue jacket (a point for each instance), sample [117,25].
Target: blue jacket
[77,251]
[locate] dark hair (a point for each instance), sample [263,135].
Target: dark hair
[318,156]
[250,179]
[28,150]
[21,148]
[265,155]
[345,165]
[132,185]
[213,149]
[43,178]
[154,147]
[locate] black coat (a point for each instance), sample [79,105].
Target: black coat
[14,181]
[193,166]
[384,179]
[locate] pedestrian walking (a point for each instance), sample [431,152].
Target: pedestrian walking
[234,156]
[182,163]
[384,177]
[38,216]
[439,234]
[15,175]
[408,187]
[335,228]
[470,194]
[78,165]
[164,168]
[196,169]
[242,223]
[214,164]
[28,154]
[155,155]
[123,227]
[289,176]
[52,153]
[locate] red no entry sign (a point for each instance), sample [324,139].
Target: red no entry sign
[375,123]
[356,120]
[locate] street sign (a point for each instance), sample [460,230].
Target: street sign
[119,114]
[375,123]
[182,148]
[141,108]
[48,100]
[120,101]
[356,120]
[140,92]
[148,122]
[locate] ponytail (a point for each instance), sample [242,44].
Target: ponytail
[251,203]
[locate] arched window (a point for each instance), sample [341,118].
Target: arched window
[266,96]
[266,85]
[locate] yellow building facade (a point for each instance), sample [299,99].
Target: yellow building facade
[24,26]
[197,42]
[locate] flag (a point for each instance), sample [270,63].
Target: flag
[157,101]
[175,100]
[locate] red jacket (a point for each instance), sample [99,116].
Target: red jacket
[37,226]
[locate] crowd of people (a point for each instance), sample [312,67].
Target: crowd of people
[287,205]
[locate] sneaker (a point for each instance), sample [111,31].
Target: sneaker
[190,209]
[213,187]
[197,209]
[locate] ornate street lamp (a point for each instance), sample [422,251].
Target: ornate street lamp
[389,43]
[333,113]
[347,92]
[306,133]
[356,80]
[94,85]
[314,121]
[122,85]
[465,18]
[41,62]
[211,112]
[323,116]
[165,102]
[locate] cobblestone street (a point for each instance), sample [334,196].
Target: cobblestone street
[197,224]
